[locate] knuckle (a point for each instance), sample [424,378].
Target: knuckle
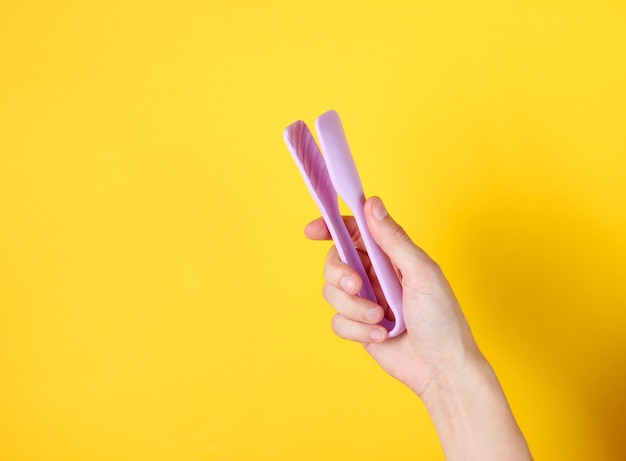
[398,234]
[326,272]
[426,274]
[331,267]
[326,291]
[342,327]
[332,254]
[431,269]
[335,324]
[329,272]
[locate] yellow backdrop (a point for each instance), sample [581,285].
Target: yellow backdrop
[158,299]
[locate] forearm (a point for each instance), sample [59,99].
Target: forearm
[472,417]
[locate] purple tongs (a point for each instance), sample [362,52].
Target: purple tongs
[335,173]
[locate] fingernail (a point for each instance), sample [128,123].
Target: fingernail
[347,283]
[377,334]
[372,314]
[379,210]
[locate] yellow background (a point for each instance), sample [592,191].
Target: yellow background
[158,300]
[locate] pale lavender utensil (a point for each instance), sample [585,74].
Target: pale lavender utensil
[345,179]
[311,165]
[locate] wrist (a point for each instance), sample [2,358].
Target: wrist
[452,385]
[471,415]
[457,374]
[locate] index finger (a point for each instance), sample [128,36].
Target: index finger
[317,230]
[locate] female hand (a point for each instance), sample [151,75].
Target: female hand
[437,356]
[437,339]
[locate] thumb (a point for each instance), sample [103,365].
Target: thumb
[392,238]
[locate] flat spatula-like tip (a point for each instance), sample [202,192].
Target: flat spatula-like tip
[341,166]
[304,148]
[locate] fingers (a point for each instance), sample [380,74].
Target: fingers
[317,230]
[356,331]
[351,306]
[357,318]
[394,241]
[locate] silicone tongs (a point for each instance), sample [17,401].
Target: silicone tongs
[332,174]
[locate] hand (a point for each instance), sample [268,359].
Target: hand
[437,356]
[437,340]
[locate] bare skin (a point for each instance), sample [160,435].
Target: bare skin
[437,357]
